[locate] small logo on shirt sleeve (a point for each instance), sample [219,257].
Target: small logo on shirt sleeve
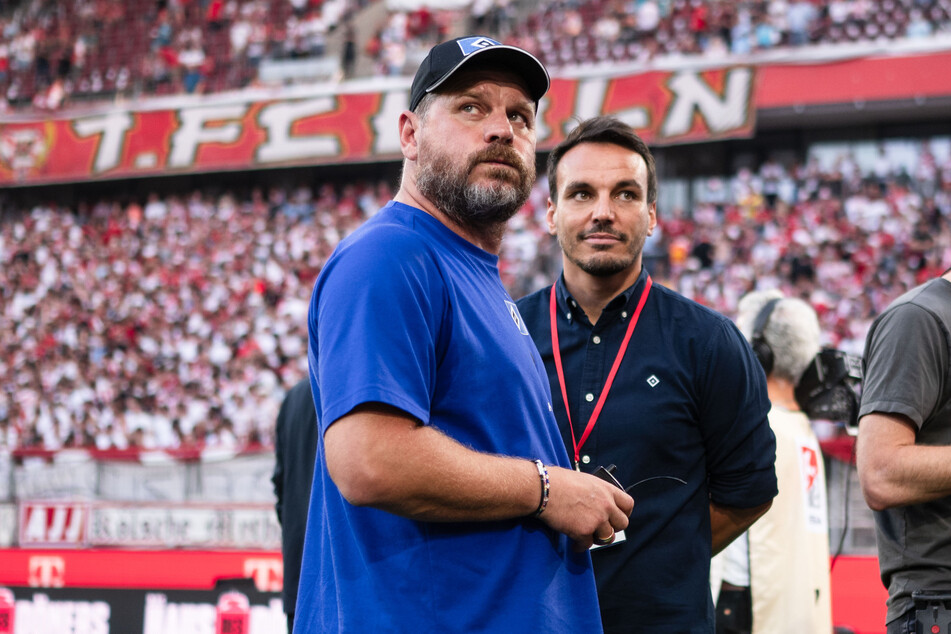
[516,317]
[652,380]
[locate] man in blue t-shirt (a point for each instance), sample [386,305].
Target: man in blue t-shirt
[663,388]
[442,498]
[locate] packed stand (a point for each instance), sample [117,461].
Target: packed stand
[52,51]
[179,322]
[572,33]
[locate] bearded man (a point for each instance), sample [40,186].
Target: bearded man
[442,497]
[664,389]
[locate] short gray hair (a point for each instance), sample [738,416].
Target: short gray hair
[422,108]
[792,331]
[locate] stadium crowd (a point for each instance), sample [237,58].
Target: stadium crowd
[55,50]
[179,321]
[52,50]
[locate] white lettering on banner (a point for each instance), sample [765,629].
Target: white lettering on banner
[267,572]
[46,572]
[194,131]
[42,616]
[692,95]
[590,103]
[111,129]
[52,524]
[386,135]
[162,617]
[542,129]
[282,144]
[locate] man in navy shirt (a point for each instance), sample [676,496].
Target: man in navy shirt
[442,498]
[647,380]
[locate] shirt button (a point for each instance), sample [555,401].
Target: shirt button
[586,459]
[624,315]
[589,397]
[568,315]
[596,339]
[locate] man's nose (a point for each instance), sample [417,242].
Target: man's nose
[603,210]
[498,127]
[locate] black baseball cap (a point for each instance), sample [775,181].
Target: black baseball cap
[445,59]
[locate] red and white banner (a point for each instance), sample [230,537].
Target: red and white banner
[664,106]
[54,524]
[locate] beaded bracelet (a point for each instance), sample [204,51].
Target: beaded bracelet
[546,487]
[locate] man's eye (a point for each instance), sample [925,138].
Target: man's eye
[627,195]
[580,195]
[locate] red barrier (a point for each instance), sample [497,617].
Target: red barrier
[858,597]
[148,569]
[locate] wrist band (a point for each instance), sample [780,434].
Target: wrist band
[546,487]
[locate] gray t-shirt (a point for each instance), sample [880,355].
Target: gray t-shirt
[908,371]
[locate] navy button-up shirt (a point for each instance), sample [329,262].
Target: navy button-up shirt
[685,422]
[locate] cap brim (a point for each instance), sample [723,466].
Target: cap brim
[511,59]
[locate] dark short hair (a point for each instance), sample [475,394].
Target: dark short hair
[602,130]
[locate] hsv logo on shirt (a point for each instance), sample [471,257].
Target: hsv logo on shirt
[516,317]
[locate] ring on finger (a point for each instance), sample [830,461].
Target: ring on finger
[604,541]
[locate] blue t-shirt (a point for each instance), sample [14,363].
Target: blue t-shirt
[408,313]
[685,423]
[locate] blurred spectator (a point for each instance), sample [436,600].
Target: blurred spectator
[100,49]
[179,320]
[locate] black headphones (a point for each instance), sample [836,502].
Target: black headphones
[760,347]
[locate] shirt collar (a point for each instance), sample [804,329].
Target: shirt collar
[626,300]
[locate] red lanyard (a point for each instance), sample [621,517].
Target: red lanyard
[610,380]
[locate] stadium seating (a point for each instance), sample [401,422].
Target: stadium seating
[55,51]
[179,321]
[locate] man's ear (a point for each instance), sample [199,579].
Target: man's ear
[409,126]
[652,213]
[550,218]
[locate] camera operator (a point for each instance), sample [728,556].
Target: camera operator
[775,577]
[904,448]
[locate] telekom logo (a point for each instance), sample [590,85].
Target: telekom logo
[268,573]
[46,572]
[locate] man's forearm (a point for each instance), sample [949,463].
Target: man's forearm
[893,470]
[389,461]
[728,523]
[380,457]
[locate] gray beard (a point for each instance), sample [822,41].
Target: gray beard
[476,207]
